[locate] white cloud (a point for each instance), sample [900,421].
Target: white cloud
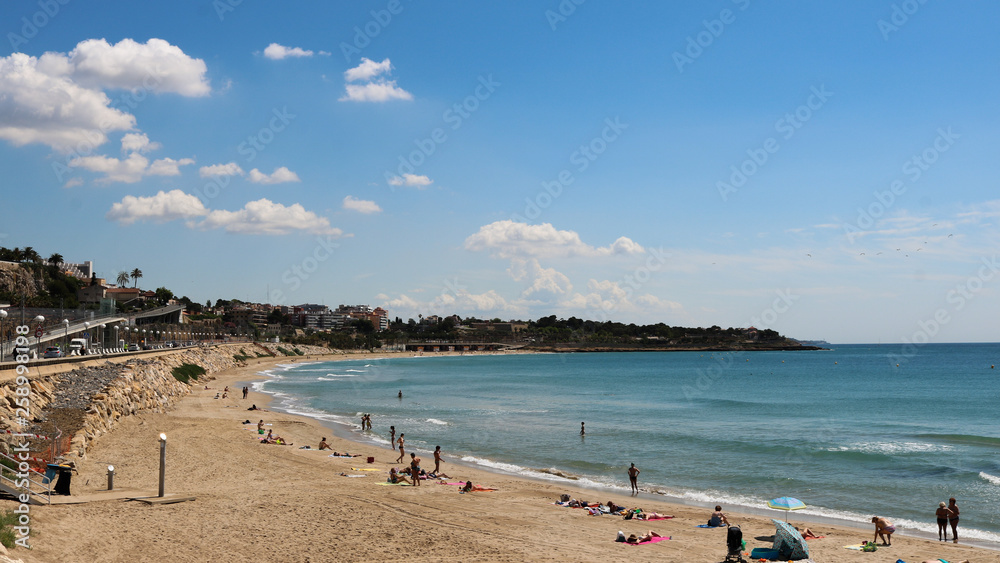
[279,176]
[367,70]
[164,206]
[543,280]
[37,106]
[156,66]
[228,169]
[277,52]
[360,205]
[411,180]
[461,302]
[73,182]
[264,217]
[168,166]
[508,239]
[58,99]
[137,142]
[129,170]
[380,90]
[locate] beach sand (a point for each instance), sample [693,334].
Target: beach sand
[259,502]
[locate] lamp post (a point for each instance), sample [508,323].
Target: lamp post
[111,477]
[66,338]
[163,461]
[3,335]
[117,328]
[38,340]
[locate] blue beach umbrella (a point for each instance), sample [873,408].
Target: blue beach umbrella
[787,504]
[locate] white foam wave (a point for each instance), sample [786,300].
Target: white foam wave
[355,370]
[436,421]
[892,447]
[991,478]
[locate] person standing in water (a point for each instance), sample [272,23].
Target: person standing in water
[400,393]
[392,437]
[953,519]
[582,430]
[633,476]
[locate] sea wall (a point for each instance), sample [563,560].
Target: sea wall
[138,385]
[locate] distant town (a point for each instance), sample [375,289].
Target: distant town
[65,294]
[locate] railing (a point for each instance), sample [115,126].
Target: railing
[12,481]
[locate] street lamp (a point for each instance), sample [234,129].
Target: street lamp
[66,342]
[3,336]
[38,340]
[117,328]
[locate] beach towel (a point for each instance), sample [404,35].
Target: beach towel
[347,456]
[364,469]
[707,526]
[658,517]
[386,484]
[353,475]
[855,547]
[651,540]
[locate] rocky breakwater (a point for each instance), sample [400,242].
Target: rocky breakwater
[146,386]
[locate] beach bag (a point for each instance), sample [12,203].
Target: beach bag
[869,546]
[628,515]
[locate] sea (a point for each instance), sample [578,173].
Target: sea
[852,431]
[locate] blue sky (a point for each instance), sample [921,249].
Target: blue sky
[827,170]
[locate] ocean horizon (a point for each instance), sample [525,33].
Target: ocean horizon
[852,431]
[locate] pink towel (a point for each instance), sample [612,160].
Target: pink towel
[653,540]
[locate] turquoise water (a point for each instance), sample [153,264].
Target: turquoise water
[846,430]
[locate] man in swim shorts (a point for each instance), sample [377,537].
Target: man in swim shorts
[633,475]
[415,469]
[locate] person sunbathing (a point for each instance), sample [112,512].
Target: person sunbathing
[718,518]
[643,538]
[807,533]
[651,516]
[614,508]
[395,477]
[323,445]
[467,488]
[438,475]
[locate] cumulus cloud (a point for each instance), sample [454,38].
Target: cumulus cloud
[381,91]
[73,182]
[543,280]
[459,302]
[279,176]
[43,106]
[130,169]
[168,166]
[360,205]
[160,208]
[509,239]
[264,217]
[277,52]
[58,99]
[156,66]
[411,180]
[137,142]
[376,88]
[367,70]
[228,169]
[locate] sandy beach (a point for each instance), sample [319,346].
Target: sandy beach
[259,502]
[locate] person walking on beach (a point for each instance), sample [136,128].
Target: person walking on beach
[245,391]
[633,476]
[415,469]
[953,519]
[392,437]
[401,451]
[437,460]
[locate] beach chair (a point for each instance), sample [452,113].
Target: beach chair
[734,543]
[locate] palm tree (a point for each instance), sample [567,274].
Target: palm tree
[56,260]
[135,275]
[122,278]
[30,255]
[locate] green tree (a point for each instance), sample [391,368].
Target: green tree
[122,278]
[56,260]
[135,275]
[163,295]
